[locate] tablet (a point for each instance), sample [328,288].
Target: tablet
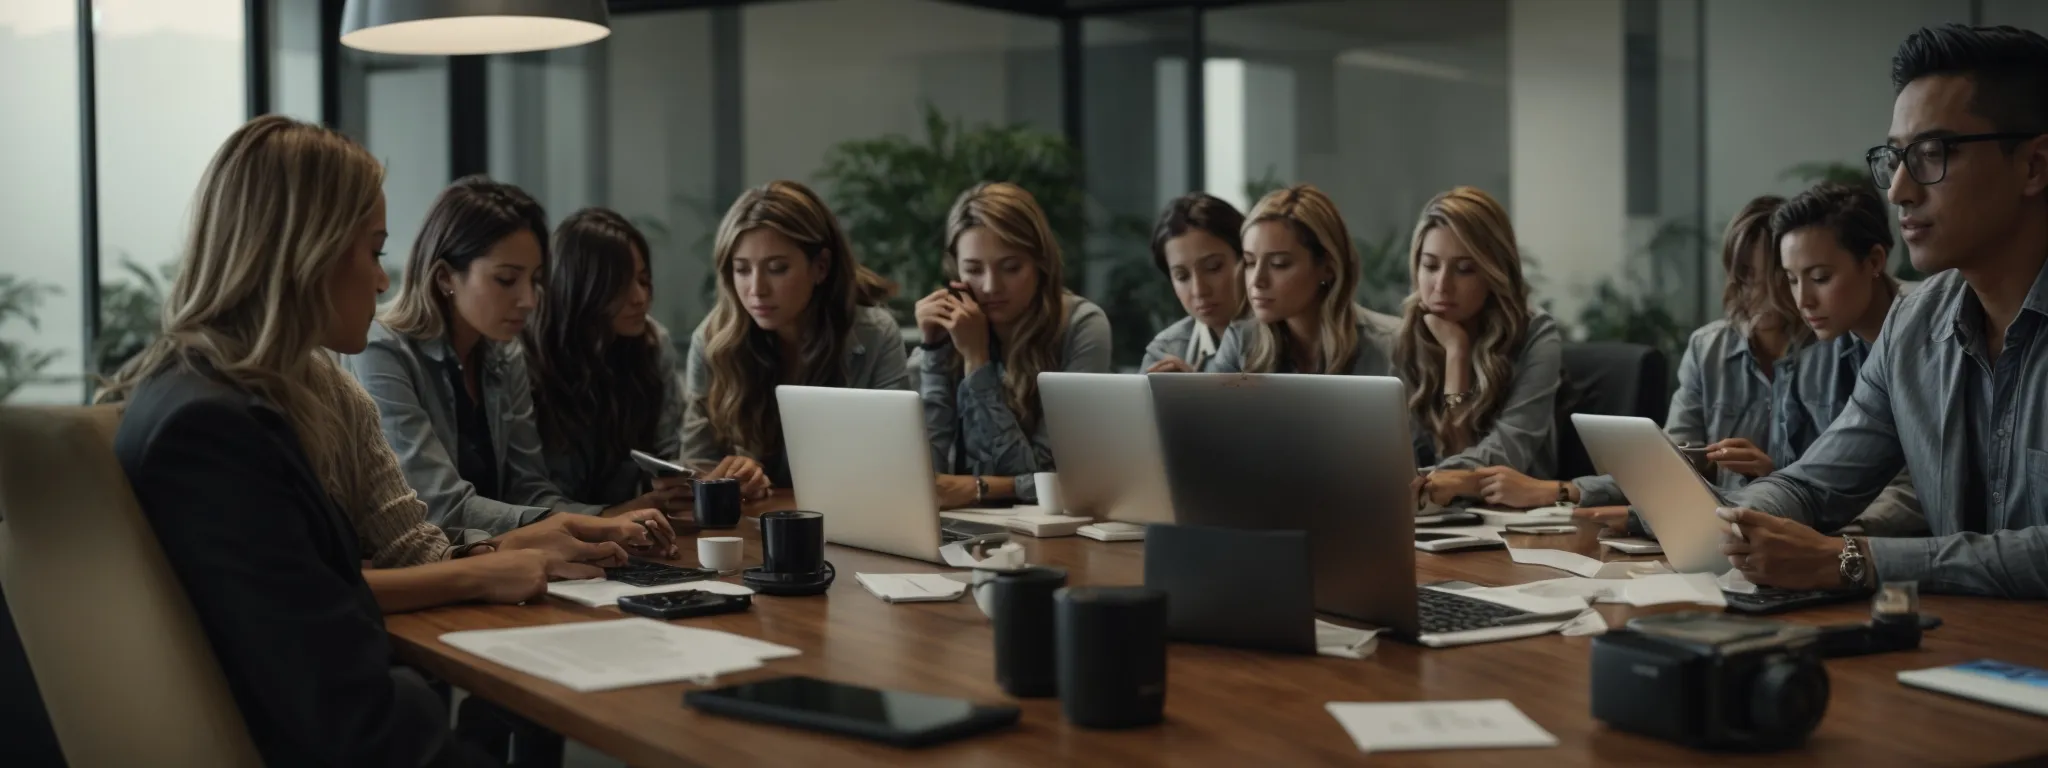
[898,718]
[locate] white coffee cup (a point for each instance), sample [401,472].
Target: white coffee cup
[1049,492]
[721,553]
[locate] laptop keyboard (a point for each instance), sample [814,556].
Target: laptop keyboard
[647,573]
[1442,611]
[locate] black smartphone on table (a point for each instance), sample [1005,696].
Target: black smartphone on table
[683,604]
[647,573]
[898,718]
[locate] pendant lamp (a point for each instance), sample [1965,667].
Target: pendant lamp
[467,27]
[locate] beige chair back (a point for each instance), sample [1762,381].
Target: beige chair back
[123,665]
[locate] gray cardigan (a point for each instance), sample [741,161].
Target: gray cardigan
[874,360]
[410,380]
[970,424]
[624,480]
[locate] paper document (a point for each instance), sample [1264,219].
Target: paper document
[1573,562]
[1734,581]
[598,593]
[1345,642]
[1658,589]
[1005,556]
[1494,516]
[603,655]
[912,587]
[1399,726]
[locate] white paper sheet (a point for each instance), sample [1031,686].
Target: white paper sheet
[1734,581]
[603,655]
[912,587]
[598,593]
[1345,642]
[1399,726]
[1662,588]
[1588,623]
[1498,516]
[1573,562]
[1004,556]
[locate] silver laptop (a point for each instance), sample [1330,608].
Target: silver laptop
[860,458]
[1330,455]
[1103,433]
[1661,485]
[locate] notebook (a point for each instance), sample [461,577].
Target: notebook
[1993,682]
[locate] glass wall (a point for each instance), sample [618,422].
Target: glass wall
[397,106]
[41,291]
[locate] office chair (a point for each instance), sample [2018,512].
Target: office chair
[125,671]
[1608,378]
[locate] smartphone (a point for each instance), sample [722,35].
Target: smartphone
[683,604]
[661,467]
[1431,541]
[647,573]
[898,718]
[1542,528]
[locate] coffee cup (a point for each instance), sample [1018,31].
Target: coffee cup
[1048,484]
[718,502]
[792,542]
[721,553]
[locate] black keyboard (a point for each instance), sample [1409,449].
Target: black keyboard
[1442,611]
[647,573]
[1774,600]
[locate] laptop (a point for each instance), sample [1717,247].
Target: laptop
[1661,485]
[860,457]
[1231,586]
[1101,428]
[1330,455]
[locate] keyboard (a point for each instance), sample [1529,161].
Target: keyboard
[1774,600]
[1442,611]
[647,573]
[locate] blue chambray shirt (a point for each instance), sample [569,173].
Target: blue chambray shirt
[1910,410]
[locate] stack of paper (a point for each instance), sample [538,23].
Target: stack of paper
[1494,516]
[1582,565]
[1397,726]
[1644,589]
[603,655]
[598,593]
[911,587]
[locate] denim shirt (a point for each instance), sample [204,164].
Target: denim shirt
[1823,379]
[410,381]
[969,421]
[1909,411]
[624,480]
[1722,395]
[874,360]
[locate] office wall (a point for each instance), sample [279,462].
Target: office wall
[659,152]
[1567,151]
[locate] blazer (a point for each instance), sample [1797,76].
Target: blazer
[411,381]
[274,575]
[874,360]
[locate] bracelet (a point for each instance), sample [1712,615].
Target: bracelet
[980,490]
[1455,399]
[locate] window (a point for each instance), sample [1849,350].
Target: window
[41,291]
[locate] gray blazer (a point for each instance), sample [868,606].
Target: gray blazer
[971,426]
[874,360]
[410,380]
[1177,340]
[624,480]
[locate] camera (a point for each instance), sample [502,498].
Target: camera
[1710,680]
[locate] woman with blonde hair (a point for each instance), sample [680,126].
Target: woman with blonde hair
[1726,379]
[794,307]
[1301,274]
[258,466]
[1481,364]
[1003,318]
[449,377]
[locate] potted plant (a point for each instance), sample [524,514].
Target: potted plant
[19,363]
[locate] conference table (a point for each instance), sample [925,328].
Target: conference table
[1224,706]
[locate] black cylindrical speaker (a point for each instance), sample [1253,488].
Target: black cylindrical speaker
[1112,655]
[1020,602]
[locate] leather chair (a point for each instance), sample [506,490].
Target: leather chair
[1608,378]
[125,671]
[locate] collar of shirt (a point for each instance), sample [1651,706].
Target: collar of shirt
[1201,344]
[1966,315]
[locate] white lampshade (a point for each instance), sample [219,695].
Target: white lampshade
[466,27]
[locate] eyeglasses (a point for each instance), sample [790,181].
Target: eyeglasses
[1927,159]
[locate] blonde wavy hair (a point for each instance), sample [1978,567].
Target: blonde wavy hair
[279,206]
[1481,227]
[1316,223]
[1013,216]
[745,360]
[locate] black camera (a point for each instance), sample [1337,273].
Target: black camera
[1711,680]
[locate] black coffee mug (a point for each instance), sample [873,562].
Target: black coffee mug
[792,542]
[1020,603]
[718,503]
[1111,650]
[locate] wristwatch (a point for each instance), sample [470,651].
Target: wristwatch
[980,490]
[1564,493]
[1854,565]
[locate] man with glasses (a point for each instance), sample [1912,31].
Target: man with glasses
[1956,386]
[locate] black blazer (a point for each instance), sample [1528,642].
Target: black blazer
[273,571]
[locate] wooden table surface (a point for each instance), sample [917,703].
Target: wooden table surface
[1224,706]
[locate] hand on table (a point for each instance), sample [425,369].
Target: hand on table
[955,491]
[1772,551]
[518,575]
[1504,487]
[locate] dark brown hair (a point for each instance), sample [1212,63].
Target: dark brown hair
[1749,256]
[1197,211]
[468,218]
[2008,66]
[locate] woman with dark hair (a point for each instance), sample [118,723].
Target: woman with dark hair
[591,334]
[1196,245]
[794,307]
[451,388]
